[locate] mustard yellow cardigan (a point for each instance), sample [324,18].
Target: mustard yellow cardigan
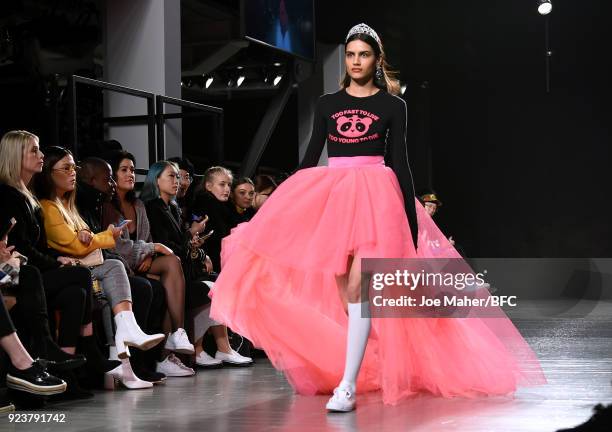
[63,237]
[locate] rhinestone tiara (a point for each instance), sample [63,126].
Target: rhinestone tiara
[364,29]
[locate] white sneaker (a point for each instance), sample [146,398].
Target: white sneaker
[233,358]
[179,342]
[207,361]
[173,367]
[342,400]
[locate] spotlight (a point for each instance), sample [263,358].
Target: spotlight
[209,81]
[277,64]
[240,80]
[544,7]
[277,79]
[239,67]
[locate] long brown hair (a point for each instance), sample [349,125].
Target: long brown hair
[44,187]
[389,82]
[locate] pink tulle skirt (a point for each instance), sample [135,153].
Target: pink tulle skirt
[278,287]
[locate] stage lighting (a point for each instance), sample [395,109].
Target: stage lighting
[403,88]
[277,79]
[240,80]
[544,7]
[209,81]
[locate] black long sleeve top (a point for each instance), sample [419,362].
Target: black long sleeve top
[166,228]
[365,126]
[219,219]
[28,235]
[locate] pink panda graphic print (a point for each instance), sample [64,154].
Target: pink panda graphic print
[353,126]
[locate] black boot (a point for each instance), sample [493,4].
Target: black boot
[60,360]
[96,361]
[74,391]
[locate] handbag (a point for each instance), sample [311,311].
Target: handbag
[92,259]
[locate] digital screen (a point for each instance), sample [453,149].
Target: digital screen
[284,24]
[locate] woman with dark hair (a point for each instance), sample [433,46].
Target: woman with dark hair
[145,257]
[68,233]
[264,186]
[283,270]
[185,193]
[241,200]
[68,289]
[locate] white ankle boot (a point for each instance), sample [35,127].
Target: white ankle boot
[129,334]
[125,375]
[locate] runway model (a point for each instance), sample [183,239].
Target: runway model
[290,278]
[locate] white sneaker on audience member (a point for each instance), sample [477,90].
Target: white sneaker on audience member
[204,360]
[173,367]
[179,342]
[233,358]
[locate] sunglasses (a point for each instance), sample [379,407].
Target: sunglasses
[67,169]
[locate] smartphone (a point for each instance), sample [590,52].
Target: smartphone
[205,236]
[123,223]
[4,278]
[7,227]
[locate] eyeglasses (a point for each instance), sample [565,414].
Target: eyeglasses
[187,178]
[67,169]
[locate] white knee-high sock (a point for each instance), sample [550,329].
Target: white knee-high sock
[356,341]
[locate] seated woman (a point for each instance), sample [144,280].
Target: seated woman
[24,374]
[67,289]
[212,201]
[184,196]
[68,234]
[159,189]
[144,257]
[264,186]
[241,200]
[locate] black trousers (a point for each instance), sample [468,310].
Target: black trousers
[69,290]
[149,306]
[6,325]
[30,313]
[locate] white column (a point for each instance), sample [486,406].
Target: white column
[143,51]
[328,73]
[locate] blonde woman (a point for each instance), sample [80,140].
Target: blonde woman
[67,289]
[69,234]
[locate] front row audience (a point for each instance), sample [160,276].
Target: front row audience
[83,239]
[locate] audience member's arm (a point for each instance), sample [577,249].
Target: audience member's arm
[61,237]
[20,236]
